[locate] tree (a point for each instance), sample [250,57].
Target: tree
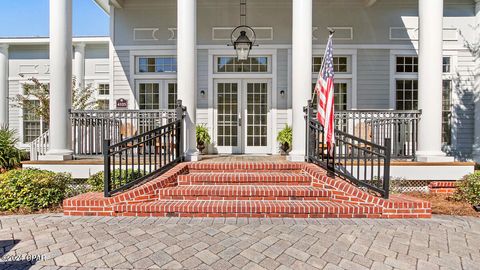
[82,98]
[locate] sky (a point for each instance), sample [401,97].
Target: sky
[29,18]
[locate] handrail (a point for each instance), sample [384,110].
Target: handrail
[363,162]
[39,146]
[140,157]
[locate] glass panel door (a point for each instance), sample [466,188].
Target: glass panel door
[227,117]
[256,116]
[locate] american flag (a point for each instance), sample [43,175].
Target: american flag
[325,98]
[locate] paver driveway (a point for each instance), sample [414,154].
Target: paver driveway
[173,243]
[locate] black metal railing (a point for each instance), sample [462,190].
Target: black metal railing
[376,125]
[91,127]
[143,156]
[362,162]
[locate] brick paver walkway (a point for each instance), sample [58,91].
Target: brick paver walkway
[174,243]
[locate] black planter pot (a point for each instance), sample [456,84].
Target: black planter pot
[200,147]
[285,147]
[477,208]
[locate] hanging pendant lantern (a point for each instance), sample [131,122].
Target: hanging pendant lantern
[243,43]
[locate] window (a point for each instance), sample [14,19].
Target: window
[158,64]
[103,98]
[103,104]
[340,64]
[407,64]
[149,96]
[407,94]
[104,89]
[447,112]
[340,96]
[446,65]
[33,127]
[172,96]
[225,64]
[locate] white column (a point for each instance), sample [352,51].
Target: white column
[186,70]
[476,142]
[430,81]
[79,70]
[3,84]
[301,73]
[60,79]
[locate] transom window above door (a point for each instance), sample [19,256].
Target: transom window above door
[157,64]
[341,64]
[254,64]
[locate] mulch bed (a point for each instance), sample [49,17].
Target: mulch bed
[443,204]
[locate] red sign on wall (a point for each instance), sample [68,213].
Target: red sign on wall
[122,103]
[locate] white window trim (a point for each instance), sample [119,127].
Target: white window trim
[22,143]
[272,75]
[350,76]
[269,65]
[394,75]
[163,89]
[104,97]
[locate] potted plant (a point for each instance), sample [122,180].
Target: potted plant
[285,138]
[203,138]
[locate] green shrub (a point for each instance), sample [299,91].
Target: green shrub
[95,182]
[10,156]
[469,189]
[32,189]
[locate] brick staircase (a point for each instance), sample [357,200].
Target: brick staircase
[247,190]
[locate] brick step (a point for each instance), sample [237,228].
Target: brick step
[244,192]
[245,178]
[245,166]
[175,208]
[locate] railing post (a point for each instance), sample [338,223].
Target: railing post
[106,167]
[180,111]
[307,112]
[386,168]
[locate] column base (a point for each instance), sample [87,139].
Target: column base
[426,156]
[296,157]
[193,156]
[57,155]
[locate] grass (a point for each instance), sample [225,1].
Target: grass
[442,204]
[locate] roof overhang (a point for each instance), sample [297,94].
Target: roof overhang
[105,4]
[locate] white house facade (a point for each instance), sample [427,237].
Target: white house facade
[26,58]
[388,56]
[382,61]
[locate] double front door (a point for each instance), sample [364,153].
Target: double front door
[242,116]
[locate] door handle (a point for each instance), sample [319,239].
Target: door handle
[240,121]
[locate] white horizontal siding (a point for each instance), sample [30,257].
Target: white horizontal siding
[121,71]
[463,107]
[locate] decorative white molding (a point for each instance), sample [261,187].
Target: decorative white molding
[28,69]
[47,68]
[223,33]
[145,34]
[173,33]
[102,68]
[411,33]
[341,33]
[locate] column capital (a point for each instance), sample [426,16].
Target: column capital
[4,46]
[80,45]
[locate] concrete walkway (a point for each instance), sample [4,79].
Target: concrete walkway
[55,241]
